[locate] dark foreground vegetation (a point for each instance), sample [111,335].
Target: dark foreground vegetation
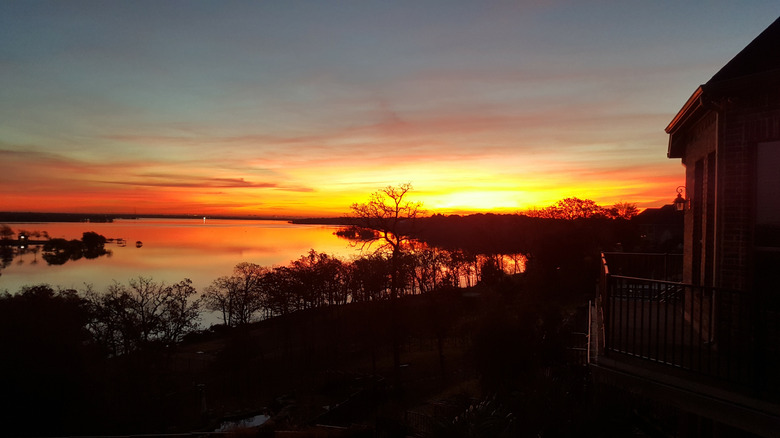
[492,360]
[457,326]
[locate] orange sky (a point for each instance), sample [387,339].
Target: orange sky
[301,109]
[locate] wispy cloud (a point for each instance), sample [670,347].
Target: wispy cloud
[273,106]
[156,180]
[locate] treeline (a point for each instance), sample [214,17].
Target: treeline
[121,319]
[576,208]
[110,353]
[96,363]
[560,256]
[501,233]
[316,280]
[143,313]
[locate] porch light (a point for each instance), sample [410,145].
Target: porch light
[680,202]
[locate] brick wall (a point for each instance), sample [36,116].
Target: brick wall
[750,117]
[700,140]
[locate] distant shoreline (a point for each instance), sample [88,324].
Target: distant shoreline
[325,221]
[26,217]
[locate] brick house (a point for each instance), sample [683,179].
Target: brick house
[707,348]
[728,137]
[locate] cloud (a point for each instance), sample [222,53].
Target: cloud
[194,182]
[157,180]
[272,101]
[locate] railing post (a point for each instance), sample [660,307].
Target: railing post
[588,337]
[757,342]
[604,303]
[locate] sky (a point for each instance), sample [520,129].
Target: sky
[302,108]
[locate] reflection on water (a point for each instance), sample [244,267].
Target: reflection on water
[170,250]
[253,421]
[91,246]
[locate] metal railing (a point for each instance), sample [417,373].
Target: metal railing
[655,266]
[698,329]
[725,334]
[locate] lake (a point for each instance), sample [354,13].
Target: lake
[172,249]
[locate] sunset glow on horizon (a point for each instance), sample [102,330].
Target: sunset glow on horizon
[302,109]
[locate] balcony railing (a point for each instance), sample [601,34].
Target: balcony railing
[722,334]
[654,266]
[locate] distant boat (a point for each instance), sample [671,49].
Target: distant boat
[138,244]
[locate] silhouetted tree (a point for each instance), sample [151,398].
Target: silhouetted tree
[180,313]
[462,265]
[128,317]
[45,363]
[369,278]
[392,217]
[91,239]
[6,232]
[429,267]
[491,271]
[238,297]
[93,245]
[58,251]
[574,208]
[281,295]
[322,277]
[623,210]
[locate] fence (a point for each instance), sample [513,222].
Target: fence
[724,334]
[655,266]
[729,335]
[703,330]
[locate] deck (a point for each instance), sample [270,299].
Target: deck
[709,351]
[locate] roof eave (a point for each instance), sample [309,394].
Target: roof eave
[691,107]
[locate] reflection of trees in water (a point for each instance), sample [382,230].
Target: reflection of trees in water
[34,250]
[319,280]
[59,251]
[7,254]
[429,267]
[54,251]
[15,254]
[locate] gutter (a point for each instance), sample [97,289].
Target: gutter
[691,108]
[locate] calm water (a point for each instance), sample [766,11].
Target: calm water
[173,249]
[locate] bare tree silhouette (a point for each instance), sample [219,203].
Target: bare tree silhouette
[389,214]
[392,216]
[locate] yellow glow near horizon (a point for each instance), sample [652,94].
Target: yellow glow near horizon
[473,201]
[445,187]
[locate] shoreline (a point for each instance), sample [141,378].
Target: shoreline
[33,217]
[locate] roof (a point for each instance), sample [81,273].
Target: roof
[761,55]
[760,58]
[666,214]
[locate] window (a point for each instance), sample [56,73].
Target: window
[768,194]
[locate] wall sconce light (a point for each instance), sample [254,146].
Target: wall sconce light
[680,202]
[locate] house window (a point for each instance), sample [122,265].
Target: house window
[766,273]
[768,195]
